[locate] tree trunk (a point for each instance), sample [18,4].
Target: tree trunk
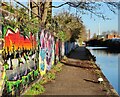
[34,8]
[47,13]
[44,10]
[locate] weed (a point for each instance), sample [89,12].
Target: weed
[36,89]
[43,81]
[51,76]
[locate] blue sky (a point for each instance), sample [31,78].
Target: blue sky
[90,23]
[93,22]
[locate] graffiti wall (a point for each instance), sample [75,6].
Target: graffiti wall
[51,50]
[69,46]
[46,51]
[19,61]
[14,40]
[26,64]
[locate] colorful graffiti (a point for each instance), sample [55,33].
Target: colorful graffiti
[51,50]
[69,46]
[14,41]
[57,50]
[46,52]
[23,66]
[19,68]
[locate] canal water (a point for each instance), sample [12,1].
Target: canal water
[109,62]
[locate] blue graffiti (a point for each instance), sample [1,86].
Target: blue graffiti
[42,54]
[42,66]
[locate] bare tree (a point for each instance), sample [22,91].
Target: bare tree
[84,5]
[44,9]
[92,6]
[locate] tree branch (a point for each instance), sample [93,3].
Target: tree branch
[60,5]
[90,6]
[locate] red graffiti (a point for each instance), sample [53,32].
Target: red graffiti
[16,40]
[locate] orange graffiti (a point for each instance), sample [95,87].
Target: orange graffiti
[15,41]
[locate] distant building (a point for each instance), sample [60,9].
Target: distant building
[108,36]
[111,36]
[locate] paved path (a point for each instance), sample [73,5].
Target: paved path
[79,53]
[70,81]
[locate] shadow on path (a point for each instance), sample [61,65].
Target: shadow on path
[73,80]
[80,53]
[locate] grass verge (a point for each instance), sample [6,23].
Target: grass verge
[38,88]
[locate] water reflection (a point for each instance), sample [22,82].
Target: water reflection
[105,50]
[108,61]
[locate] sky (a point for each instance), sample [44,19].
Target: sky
[93,23]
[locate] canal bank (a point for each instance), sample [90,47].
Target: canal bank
[79,76]
[107,60]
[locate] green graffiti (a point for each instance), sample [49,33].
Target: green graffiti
[5,28]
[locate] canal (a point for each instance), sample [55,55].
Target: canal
[108,61]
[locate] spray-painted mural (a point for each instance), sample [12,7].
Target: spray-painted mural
[51,51]
[19,61]
[23,66]
[69,46]
[46,52]
[14,41]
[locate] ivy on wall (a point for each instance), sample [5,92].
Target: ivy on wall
[18,17]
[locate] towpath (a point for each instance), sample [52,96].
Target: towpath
[77,77]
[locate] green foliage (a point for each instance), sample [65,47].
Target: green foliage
[58,67]
[5,30]
[19,18]
[48,77]
[43,81]
[62,35]
[36,89]
[51,76]
[69,26]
